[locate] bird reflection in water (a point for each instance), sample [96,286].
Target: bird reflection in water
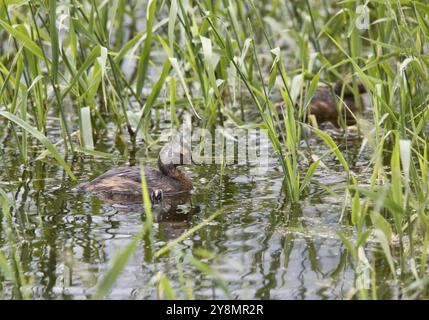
[173,214]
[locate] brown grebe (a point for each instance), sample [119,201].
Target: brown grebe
[168,181]
[323,104]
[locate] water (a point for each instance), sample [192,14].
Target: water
[260,246]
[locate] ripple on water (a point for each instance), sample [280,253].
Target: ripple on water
[263,248]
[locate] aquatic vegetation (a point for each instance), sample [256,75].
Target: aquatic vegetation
[86,86]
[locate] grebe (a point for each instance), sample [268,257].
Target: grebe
[323,104]
[168,181]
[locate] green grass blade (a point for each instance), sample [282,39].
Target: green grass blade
[145,54]
[41,137]
[24,39]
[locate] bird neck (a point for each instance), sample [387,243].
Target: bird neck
[172,171]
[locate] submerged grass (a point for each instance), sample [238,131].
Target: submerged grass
[90,63]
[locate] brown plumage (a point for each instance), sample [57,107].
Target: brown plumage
[323,104]
[165,182]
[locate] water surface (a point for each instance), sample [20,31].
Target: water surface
[260,246]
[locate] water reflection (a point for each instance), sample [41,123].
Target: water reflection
[263,247]
[172,214]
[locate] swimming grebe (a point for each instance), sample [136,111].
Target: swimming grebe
[168,181]
[324,106]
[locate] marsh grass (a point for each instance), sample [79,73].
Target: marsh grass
[10,260]
[89,63]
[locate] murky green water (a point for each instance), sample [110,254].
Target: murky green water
[262,247]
